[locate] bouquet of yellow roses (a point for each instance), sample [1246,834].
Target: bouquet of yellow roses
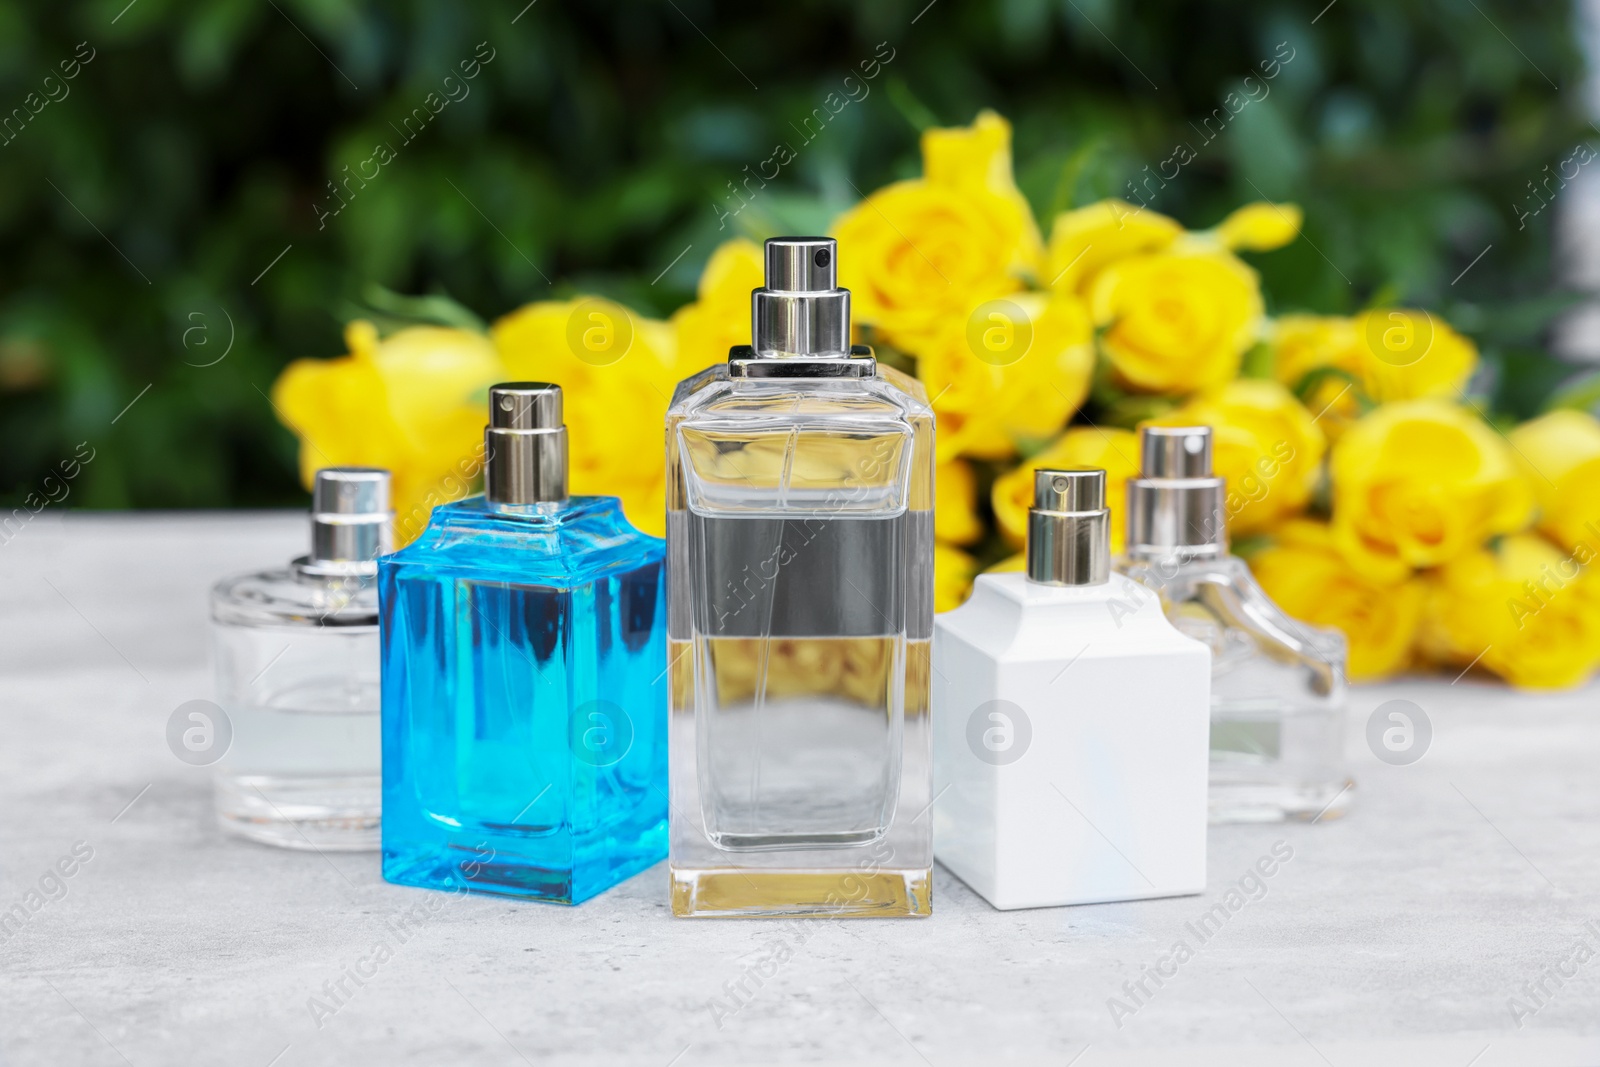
[1369,491]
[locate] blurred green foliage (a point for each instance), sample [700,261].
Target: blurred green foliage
[143,211]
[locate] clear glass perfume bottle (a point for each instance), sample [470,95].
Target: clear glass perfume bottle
[800,549]
[524,695]
[296,658]
[1070,720]
[1277,684]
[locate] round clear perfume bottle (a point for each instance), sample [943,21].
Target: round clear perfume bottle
[296,659]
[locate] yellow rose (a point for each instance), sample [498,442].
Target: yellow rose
[413,403]
[1084,240]
[616,370]
[1382,356]
[1009,370]
[1302,344]
[1264,443]
[914,253]
[1177,322]
[1407,355]
[1114,451]
[953,570]
[1420,482]
[977,159]
[720,317]
[1526,611]
[1260,227]
[1561,455]
[955,503]
[1310,579]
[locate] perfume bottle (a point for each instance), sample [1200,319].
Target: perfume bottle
[1277,684]
[1069,736]
[296,658]
[524,696]
[800,574]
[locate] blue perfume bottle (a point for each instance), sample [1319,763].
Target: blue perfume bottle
[524,680]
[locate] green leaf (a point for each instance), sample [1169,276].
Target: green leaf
[1257,362]
[1066,192]
[1306,388]
[1527,378]
[911,109]
[400,311]
[1580,394]
[1130,411]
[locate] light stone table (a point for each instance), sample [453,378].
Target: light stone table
[1397,934]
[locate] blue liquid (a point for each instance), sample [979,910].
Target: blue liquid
[524,701]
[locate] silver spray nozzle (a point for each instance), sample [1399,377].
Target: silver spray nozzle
[800,311]
[1175,506]
[525,444]
[1175,452]
[1069,528]
[351,523]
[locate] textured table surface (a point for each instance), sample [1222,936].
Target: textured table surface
[1396,934]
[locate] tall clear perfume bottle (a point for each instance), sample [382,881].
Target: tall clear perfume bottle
[296,658]
[1277,684]
[1069,723]
[800,567]
[524,695]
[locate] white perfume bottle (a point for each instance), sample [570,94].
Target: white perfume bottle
[1070,723]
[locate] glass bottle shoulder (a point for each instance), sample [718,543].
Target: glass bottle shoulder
[800,445]
[714,395]
[292,597]
[1219,601]
[568,543]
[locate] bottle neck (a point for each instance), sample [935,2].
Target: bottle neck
[480,511]
[1177,555]
[524,467]
[1181,518]
[538,511]
[345,545]
[1069,548]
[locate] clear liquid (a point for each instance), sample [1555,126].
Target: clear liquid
[800,740]
[1276,746]
[1271,762]
[800,667]
[809,793]
[302,778]
[1277,712]
[302,768]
